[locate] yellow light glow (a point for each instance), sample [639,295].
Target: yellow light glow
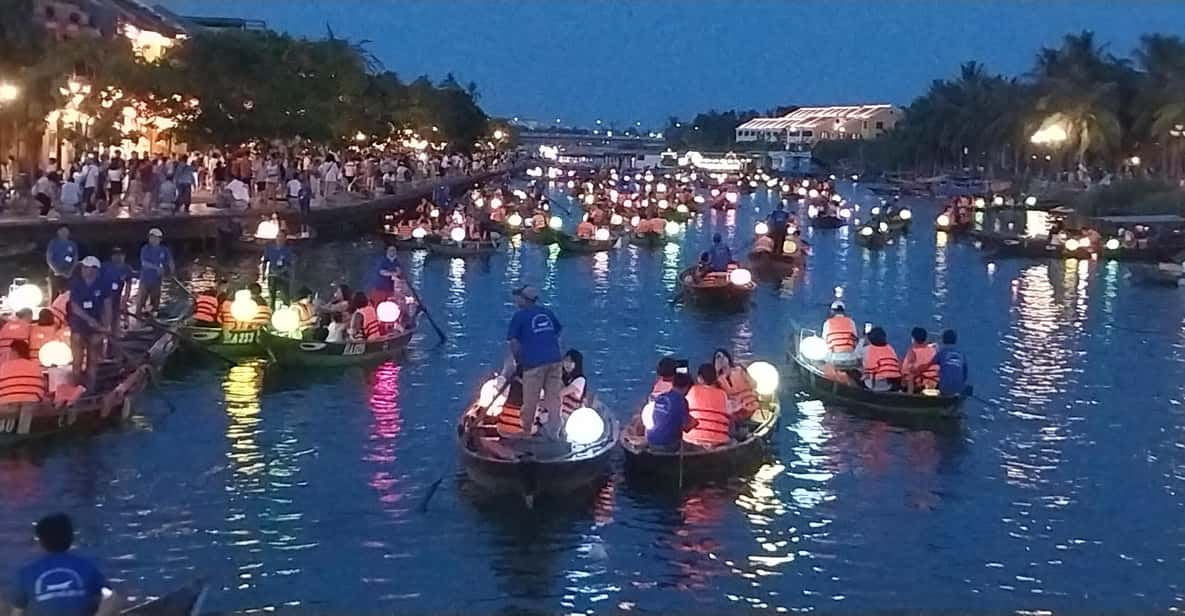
[55,353]
[602,234]
[765,377]
[584,426]
[285,320]
[740,277]
[457,234]
[813,348]
[25,297]
[556,223]
[514,220]
[761,228]
[244,309]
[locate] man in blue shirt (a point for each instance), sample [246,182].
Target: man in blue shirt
[382,276]
[59,583]
[156,260]
[61,254]
[87,314]
[280,263]
[534,337]
[671,416]
[718,256]
[115,275]
[952,366]
[778,219]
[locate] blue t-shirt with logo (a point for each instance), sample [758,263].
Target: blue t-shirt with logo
[278,258]
[380,282]
[115,276]
[59,585]
[952,372]
[538,334]
[670,414]
[62,254]
[90,298]
[153,260]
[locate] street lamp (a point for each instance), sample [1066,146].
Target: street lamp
[498,134]
[8,92]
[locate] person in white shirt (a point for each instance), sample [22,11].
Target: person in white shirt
[70,198]
[293,192]
[331,175]
[90,182]
[240,193]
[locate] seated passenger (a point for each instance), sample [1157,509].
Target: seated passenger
[882,369]
[708,405]
[671,416]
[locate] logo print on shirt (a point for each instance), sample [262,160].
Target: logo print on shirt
[541,323]
[58,583]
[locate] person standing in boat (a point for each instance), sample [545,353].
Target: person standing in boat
[534,339]
[155,261]
[87,313]
[279,263]
[116,273]
[383,274]
[61,583]
[777,220]
[61,254]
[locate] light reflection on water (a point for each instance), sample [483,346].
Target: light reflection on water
[303,488]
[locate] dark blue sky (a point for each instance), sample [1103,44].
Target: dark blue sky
[647,59]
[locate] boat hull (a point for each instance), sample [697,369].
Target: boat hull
[769,265]
[695,463]
[648,240]
[463,249]
[827,222]
[728,297]
[313,354]
[888,403]
[574,246]
[229,343]
[186,601]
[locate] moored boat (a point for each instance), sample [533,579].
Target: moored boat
[571,245]
[778,266]
[226,341]
[721,290]
[827,221]
[816,375]
[466,248]
[296,352]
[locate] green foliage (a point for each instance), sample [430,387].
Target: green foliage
[1131,197]
[711,131]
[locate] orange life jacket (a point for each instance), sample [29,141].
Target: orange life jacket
[510,420]
[21,381]
[661,386]
[39,335]
[840,334]
[371,327]
[739,387]
[263,315]
[709,407]
[305,313]
[205,309]
[881,364]
[225,316]
[919,363]
[497,215]
[405,230]
[14,329]
[58,308]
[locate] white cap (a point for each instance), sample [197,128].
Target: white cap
[157,232]
[837,305]
[91,262]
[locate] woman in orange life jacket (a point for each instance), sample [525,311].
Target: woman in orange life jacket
[206,305]
[839,332]
[709,408]
[918,367]
[882,369]
[364,322]
[585,230]
[667,367]
[742,396]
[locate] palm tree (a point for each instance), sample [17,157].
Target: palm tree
[1160,107]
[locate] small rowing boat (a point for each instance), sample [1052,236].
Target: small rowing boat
[693,462]
[648,240]
[466,248]
[185,601]
[828,382]
[225,341]
[571,245]
[534,467]
[717,290]
[775,266]
[295,352]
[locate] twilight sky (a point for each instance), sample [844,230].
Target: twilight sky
[642,60]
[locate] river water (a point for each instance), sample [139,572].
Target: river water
[1063,491]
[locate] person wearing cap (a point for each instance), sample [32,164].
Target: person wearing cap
[61,254]
[839,332]
[279,263]
[534,338]
[155,261]
[88,313]
[115,274]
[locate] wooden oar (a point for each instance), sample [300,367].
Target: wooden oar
[184,289]
[157,325]
[419,302]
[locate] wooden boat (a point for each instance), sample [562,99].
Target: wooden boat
[571,245]
[778,266]
[1155,276]
[467,248]
[811,375]
[315,354]
[696,462]
[716,292]
[227,342]
[531,467]
[118,384]
[185,601]
[648,240]
[406,244]
[827,221]
[250,243]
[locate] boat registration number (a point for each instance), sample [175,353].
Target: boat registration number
[354,348]
[239,337]
[8,425]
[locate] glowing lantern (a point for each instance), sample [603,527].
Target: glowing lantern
[876,211]
[556,223]
[627,203]
[242,295]
[613,195]
[801,192]
[27,296]
[836,198]
[660,187]
[663,204]
[514,220]
[698,199]
[943,220]
[648,415]
[672,228]
[267,230]
[682,209]
[435,213]
[55,353]
[479,202]
[765,377]
[813,194]
[1071,244]
[285,320]
[761,228]
[419,233]
[1112,244]
[812,211]
[584,426]
[457,235]
[806,183]
[770,183]
[388,311]
[845,213]
[731,197]
[998,200]
[589,199]
[1084,242]
[244,309]
[1030,201]
[884,227]
[980,202]
[813,348]
[866,231]
[616,220]
[752,184]
[602,234]
[740,277]
[905,214]
[715,192]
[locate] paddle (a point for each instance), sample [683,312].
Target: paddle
[419,302]
[157,325]
[185,290]
[477,417]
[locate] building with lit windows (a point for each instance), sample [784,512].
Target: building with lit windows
[806,126]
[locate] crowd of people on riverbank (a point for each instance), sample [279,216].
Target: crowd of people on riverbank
[139,184]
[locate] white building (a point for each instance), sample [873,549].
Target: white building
[809,125]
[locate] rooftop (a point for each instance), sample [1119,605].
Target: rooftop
[810,117]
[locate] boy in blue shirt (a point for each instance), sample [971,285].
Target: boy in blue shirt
[59,583]
[61,254]
[952,366]
[671,416]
